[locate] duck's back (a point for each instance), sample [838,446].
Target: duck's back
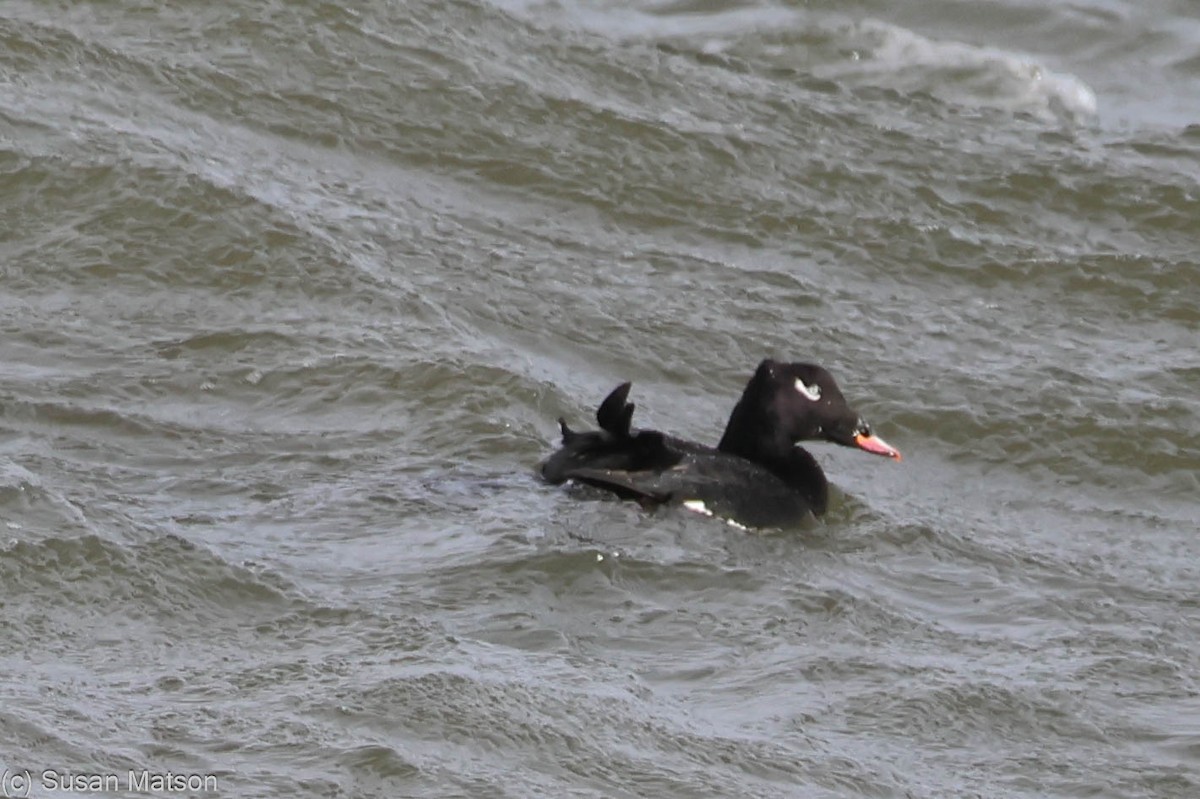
[604,451]
[615,446]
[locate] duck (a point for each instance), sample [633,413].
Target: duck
[756,477]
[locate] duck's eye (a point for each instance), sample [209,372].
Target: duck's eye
[812,392]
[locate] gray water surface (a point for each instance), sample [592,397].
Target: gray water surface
[291,296]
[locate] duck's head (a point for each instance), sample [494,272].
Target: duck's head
[786,403]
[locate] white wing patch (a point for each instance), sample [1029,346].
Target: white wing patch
[812,392]
[698,506]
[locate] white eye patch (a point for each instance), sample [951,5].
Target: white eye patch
[812,392]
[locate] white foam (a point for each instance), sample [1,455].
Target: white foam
[867,52]
[894,57]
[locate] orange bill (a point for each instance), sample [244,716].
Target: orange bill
[876,446]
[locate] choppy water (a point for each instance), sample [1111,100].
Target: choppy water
[292,293]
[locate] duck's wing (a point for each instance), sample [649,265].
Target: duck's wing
[711,483]
[640,486]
